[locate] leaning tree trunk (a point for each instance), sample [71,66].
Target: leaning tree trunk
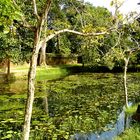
[32,71]
[32,74]
[42,59]
[126,60]
[31,89]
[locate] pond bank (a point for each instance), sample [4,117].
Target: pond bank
[133,132]
[122,123]
[22,70]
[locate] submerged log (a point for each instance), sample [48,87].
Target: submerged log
[136,116]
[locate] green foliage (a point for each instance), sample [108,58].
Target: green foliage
[90,55]
[8,13]
[97,16]
[123,44]
[50,73]
[77,104]
[9,37]
[90,48]
[130,134]
[132,109]
[26,43]
[78,16]
[10,47]
[62,46]
[96,19]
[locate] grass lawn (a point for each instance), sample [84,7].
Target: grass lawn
[132,133]
[50,73]
[43,73]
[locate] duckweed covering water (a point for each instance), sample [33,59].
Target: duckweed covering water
[83,103]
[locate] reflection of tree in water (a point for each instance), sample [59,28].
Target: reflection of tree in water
[5,86]
[11,109]
[67,101]
[43,101]
[46,106]
[126,121]
[10,85]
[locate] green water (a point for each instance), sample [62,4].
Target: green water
[83,103]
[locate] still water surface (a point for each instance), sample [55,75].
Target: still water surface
[83,106]
[123,122]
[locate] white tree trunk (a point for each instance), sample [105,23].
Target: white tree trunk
[42,59]
[32,74]
[125,81]
[30,96]
[31,89]
[39,38]
[32,71]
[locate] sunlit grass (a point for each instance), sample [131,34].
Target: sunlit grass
[132,133]
[132,109]
[20,67]
[19,72]
[44,73]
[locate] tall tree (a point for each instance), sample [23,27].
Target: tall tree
[10,43]
[124,49]
[34,17]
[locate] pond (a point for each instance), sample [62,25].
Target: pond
[123,122]
[85,104]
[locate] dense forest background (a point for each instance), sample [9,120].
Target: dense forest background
[104,50]
[35,31]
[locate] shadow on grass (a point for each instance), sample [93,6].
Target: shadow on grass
[98,69]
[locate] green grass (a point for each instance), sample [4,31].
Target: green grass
[44,73]
[132,109]
[132,133]
[20,67]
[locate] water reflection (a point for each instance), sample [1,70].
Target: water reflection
[122,123]
[77,103]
